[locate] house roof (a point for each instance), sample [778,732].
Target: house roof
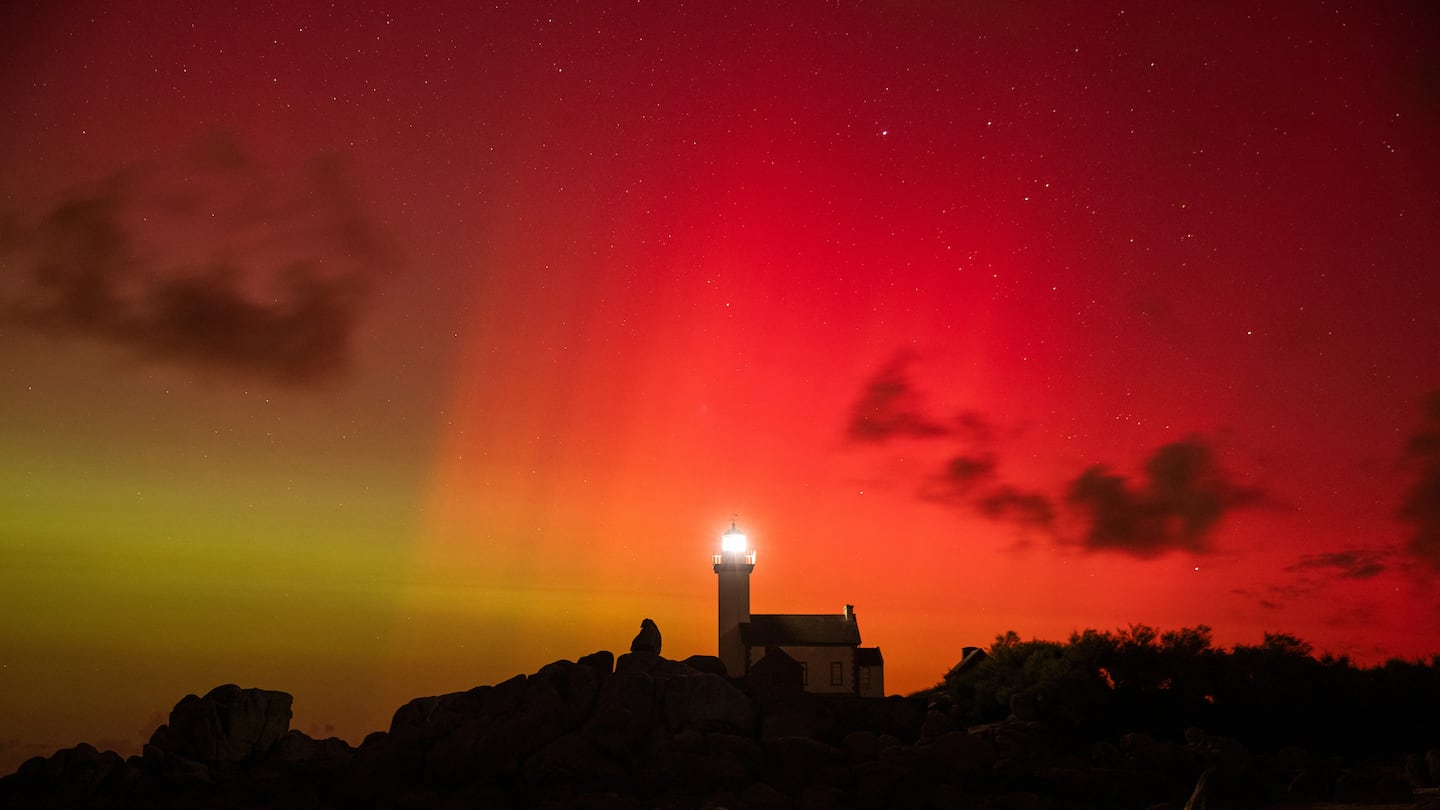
[868,657]
[800,630]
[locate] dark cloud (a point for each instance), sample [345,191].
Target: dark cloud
[1005,502]
[1421,507]
[1303,587]
[1350,564]
[1177,507]
[1260,601]
[1184,494]
[971,481]
[889,407]
[214,263]
[974,427]
[963,474]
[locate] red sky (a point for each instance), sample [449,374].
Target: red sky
[371,353]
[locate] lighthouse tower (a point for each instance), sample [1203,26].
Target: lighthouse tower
[733,566]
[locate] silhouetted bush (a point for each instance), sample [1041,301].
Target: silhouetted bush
[1101,684]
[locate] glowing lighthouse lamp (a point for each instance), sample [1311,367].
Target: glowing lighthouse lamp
[734,547]
[732,540]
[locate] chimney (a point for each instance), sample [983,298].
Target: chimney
[849,613]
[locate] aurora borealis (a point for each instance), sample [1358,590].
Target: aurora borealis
[368,352]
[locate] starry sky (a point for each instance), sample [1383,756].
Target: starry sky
[368,352]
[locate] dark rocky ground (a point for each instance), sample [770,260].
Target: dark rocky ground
[646,731]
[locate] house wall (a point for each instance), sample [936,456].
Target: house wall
[818,663]
[874,685]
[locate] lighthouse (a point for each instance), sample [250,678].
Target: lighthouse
[816,652]
[733,566]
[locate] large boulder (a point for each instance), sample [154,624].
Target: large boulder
[473,736]
[577,684]
[861,746]
[744,749]
[684,765]
[398,754]
[887,784]
[82,765]
[795,761]
[959,755]
[572,764]
[602,661]
[936,724]
[496,734]
[70,776]
[707,663]
[638,661]
[624,709]
[1371,786]
[707,702]
[227,726]
[298,748]
[799,721]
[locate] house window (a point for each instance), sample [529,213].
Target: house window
[864,677]
[804,674]
[837,673]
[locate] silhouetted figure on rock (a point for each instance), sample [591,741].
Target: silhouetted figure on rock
[648,640]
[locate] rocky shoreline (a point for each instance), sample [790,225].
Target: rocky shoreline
[646,731]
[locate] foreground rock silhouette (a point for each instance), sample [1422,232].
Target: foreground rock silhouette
[646,731]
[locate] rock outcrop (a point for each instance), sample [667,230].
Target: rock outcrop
[227,726]
[647,731]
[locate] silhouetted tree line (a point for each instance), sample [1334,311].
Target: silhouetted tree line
[1101,684]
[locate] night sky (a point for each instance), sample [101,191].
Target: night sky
[369,353]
